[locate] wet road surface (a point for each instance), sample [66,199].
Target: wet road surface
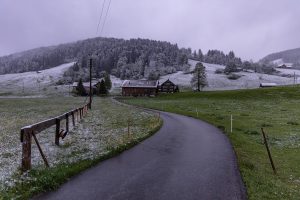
[186,159]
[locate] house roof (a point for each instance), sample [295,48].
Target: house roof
[140,84]
[167,81]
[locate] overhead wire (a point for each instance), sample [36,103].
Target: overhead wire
[105,17]
[101,13]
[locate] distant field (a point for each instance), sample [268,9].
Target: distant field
[275,109]
[100,132]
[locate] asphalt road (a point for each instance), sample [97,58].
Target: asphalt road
[186,159]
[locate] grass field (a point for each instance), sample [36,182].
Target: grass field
[100,135]
[277,110]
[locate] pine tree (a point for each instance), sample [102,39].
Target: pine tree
[199,77]
[230,67]
[200,55]
[102,88]
[195,54]
[107,81]
[80,88]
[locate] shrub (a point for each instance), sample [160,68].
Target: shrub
[219,71]
[233,76]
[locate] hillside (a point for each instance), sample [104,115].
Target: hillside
[39,83]
[288,56]
[134,58]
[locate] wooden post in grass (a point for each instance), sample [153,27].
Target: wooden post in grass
[268,150]
[158,116]
[197,112]
[26,149]
[128,127]
[231,119]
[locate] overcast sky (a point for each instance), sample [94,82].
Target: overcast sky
[251,28]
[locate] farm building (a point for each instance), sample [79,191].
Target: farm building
[139,88]
[86,85]
[267,85]
[168,87]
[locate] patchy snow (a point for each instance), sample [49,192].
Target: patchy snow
[32,83]
[221,82]
[289,71]
[278,62]
[103,128]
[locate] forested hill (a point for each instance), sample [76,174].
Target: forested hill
[288,56]
[142,56]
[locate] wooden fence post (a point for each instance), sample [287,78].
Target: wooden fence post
[67,122]
[73,119]
[26,150]
[57,121]
[77,115]
[268,150]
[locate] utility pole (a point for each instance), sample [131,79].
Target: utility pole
[91,90]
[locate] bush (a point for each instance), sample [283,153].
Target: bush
[234,76]
[219,71]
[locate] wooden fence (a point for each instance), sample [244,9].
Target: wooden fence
[28,132]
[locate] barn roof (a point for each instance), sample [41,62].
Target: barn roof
[140,84]
[268,84]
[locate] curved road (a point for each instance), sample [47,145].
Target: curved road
[185,159]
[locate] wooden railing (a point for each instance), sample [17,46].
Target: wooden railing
[28,132]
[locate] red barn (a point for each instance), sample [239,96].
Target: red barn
[139,88]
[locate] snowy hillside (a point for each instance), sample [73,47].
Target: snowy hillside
[221,82]
[34,83]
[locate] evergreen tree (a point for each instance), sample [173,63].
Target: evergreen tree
[195,56]
[200,55]
[199,77]
[230,67]
[107,81]
[80,88]
[102,88]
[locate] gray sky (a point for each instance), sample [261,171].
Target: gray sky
[251,28]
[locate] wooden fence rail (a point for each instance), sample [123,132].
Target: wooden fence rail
[30,131]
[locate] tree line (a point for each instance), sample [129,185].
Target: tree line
[232,62]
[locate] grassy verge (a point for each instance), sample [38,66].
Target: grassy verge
[102,134]
[275,109]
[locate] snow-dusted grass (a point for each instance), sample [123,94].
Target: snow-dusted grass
[34,83]
[101,131]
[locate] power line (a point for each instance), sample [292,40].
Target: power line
[103,4]
[105,17]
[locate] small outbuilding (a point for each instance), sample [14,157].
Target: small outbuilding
[168,87]
[139,88]
[262,85]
